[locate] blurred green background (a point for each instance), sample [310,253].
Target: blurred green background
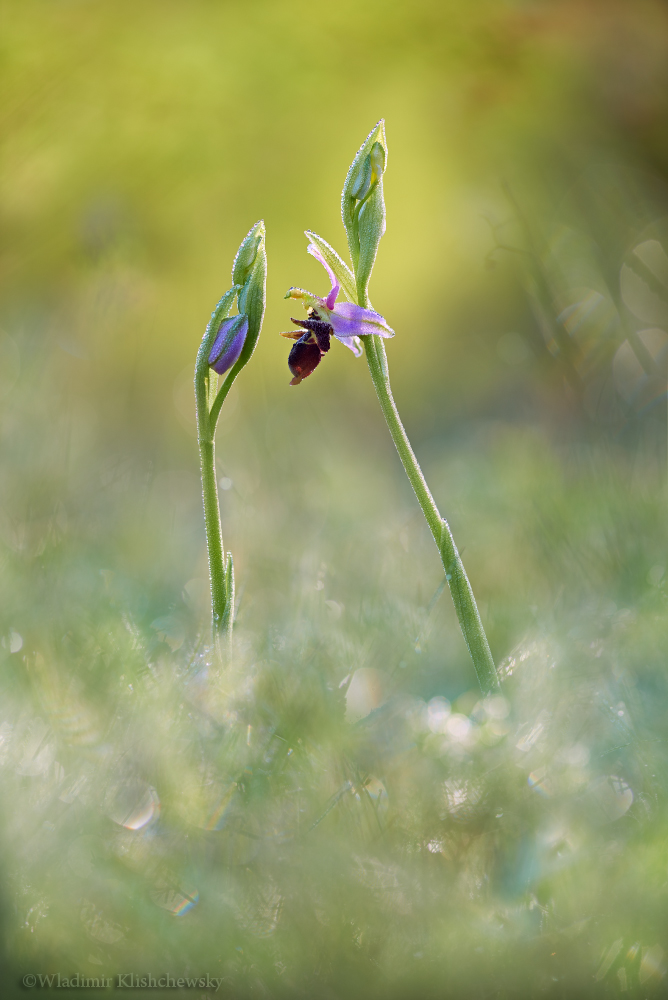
[525,271]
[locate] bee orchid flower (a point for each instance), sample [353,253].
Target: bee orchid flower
[328,318]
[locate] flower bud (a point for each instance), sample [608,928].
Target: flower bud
[363,206]
[378,157]
[369,173]
[251,298]
[360,183]
[246,254]
[228,343]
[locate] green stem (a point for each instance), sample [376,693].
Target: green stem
[214,535]
[460,588]
[205,386]
[220,399]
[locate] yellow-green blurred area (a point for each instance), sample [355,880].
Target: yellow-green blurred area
[336,811]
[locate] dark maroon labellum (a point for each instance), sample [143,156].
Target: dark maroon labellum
[305,355]
[303,359]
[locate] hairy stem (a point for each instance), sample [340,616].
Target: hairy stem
[204,389]
[214,534]
[460,588]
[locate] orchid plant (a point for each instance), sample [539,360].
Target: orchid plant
[226,348]
[359,327]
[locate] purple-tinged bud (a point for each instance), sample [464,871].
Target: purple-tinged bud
[228,343]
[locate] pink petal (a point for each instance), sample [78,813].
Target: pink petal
[331,298]
[350,320]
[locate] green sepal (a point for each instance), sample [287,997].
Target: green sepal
[344,275]
[371,227]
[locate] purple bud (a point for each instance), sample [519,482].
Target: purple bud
[228,343]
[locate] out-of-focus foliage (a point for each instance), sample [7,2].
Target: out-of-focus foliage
[336,812]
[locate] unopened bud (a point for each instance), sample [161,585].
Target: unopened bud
[363,208]
[377,157]
[246,254]
[369,173]
[251,298]
[229,343]
[361,181]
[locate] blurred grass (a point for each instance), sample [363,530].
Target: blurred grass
[391,856]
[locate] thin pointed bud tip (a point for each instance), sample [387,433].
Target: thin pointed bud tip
[371,155]
[379,130]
